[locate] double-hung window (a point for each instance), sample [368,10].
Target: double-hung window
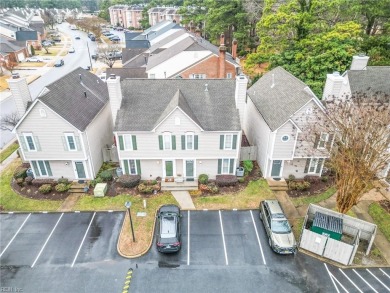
[228,141]
[167,141]
[128,144]
[42,168]
[130,167]
[30,142]
[313,165]
[189,141]
[323,140]
[70,141]
[225,166]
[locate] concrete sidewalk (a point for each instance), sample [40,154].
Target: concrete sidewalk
[184,199]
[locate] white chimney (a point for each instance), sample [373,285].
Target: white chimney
[240,95]
[115,94]
[359,62]
[333,86]
[20,93]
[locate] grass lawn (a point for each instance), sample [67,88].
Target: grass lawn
[249,198]
[297,227]
[305,200]
[52,52]
[11,201]
[32,64]
[8,151]
[381,218]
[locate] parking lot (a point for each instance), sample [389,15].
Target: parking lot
[221,251]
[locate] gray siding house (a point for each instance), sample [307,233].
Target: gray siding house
[65,128]
[278,113]
[177,128]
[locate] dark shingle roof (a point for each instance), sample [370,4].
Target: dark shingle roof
[147,101]
[278,103]
[8,46]
[124,73]
[375,79]
[66,97]
[128,54]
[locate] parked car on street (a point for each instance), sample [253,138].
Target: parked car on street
[34,59]
[58,40]
[280,236]
[168,229]
[46,43]
[112,37]
[115,40]
[115,56]
[71,50]
[59,63]
[77,37]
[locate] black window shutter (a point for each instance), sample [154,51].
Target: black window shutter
[195,142]
[160,142]
[219,165]
[183,142]
[138,162]
[307,165]
[221,141]
[319,165]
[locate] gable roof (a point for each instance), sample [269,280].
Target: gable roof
[146,102]
[128,54]
[375,79]
[278,103]
[124,73]
[66,97]
[7,46]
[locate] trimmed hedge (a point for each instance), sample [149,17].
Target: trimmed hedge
[106,175]
[45,188]
[203,178]
[63,180]
[226,180]
[129,181]
[144,188]
[299,185]
[62,187]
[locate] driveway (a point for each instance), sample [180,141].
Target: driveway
[223,251]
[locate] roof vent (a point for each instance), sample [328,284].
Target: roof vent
[85,94]
[112,76]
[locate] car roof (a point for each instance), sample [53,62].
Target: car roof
[274,206]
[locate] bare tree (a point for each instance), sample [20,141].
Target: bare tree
[361,146]
[49,18]
[9,121]
[10,65]
[109,53]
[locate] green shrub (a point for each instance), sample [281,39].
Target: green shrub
[95,181]
[106,175]
[45,188]
[144,188]
[324,178]
[299,185]
[248,166]
[62,187]
[154,182]
[291,177]
[129,181]
[20,172]
[20,181]
[213,188]
[63,180]
[28,180]
[241,179]
[203,178]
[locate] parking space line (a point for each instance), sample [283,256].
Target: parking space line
[16,234]
[364,280]
[378,280]
[258,238]
[85,235]
[188,240]
[384,273]
[330,276]
[223,238]
[47,240]
[345,275]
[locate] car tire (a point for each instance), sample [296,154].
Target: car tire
[261,216]
[270,242]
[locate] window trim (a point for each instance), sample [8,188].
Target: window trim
[29,134]
[67,135]
[285,135]
[224,142]
[39,168]
[324,141]
[125,146]
[164,135]
[187,134]
[315,166]
[229,75]
[127,161]
[228,166]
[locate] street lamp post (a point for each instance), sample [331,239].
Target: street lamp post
[128,205]
[89,54]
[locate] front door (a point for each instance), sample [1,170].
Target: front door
[168,168]
[276,167]
[80,170]
[189,170]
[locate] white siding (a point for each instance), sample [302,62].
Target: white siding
[178,63]
[62,169]
[294,167]
[257,133]
[49,130]
[284,150]
[99,133]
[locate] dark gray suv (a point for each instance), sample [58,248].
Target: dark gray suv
[280,237]
[168,229]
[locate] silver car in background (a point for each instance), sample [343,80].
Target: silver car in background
[280,236]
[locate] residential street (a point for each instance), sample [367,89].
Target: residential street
[42,252]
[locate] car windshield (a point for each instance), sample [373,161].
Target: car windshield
[280,226]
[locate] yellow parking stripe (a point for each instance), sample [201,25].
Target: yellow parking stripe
[126,286]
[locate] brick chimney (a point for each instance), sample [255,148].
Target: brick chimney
[333,86]
[222,57]
[115,94]
[234,49]
[20,93]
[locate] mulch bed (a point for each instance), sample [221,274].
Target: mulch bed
[385,204]
[31,191]
[316,188]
